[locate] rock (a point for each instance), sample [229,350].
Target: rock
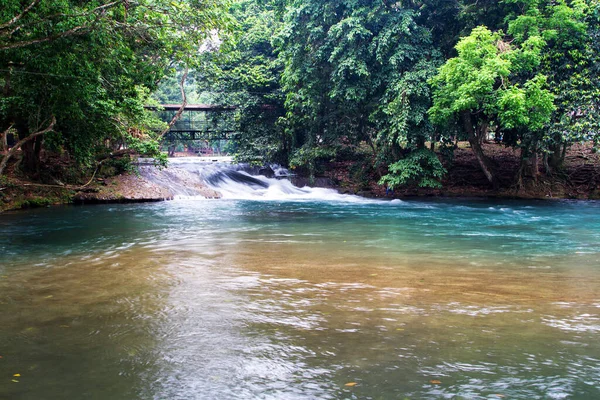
[267,171]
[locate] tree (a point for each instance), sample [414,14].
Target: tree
[92,65]
[478,88]
[355,71]
[572,64]
[245,73]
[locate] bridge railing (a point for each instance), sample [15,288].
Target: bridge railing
[198,121]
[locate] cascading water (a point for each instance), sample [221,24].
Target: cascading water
[190,177]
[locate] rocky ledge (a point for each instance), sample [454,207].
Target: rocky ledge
[133,188]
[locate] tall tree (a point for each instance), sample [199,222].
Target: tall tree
[502,79]
[91,66]
[245,73]
[355,71]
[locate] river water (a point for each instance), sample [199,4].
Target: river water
[301,295]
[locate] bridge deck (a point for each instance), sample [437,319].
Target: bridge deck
[192,107]
[198,121]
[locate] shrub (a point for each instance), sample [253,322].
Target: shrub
[421,168]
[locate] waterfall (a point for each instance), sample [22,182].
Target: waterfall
[192,177]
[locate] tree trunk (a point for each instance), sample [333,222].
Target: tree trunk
[183,104]
[530,159]
[4,144]
[535,162]
[26,141]
[555,158]
[482,159]
[482,132]
[29,162]
[4,140]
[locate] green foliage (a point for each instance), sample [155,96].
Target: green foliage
[421,167]
[529,107]
[566,31]
[34,202]
[148,148]
[309,157]
[573,68]
[308,78]
[355,71]
[245,73]
[492,82]
[473,80]
[92,66]
[5,182]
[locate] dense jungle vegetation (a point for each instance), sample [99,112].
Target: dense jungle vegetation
[393,83]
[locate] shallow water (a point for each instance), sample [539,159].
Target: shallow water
[238,299]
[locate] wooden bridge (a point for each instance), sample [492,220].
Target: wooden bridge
[198,121]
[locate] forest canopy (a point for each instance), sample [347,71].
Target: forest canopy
[311,80]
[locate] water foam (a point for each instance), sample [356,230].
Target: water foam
[242,182]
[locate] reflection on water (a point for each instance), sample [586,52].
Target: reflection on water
[234,299]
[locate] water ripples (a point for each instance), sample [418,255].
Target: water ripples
[273,299]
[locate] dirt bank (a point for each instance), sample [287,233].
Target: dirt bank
[580,178]
[16,193]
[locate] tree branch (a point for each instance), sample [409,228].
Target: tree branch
[78,30]
[4,139]
[18,17]
[183,104]
[17,146]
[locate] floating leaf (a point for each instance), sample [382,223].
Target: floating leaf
[17,375]
[15,381]
[49,297]
[350,384]
[399,329]
[435,382]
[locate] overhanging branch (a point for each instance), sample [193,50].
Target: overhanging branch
[18,17]
[21,142]
[183,104]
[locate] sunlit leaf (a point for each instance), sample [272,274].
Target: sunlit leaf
[351,384]
[435,382]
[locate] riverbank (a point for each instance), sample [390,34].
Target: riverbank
[580,179]
[124,188]
[21,194]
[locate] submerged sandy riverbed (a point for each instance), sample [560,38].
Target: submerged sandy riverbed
[302,299]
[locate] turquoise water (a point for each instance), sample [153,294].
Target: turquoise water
[241,299]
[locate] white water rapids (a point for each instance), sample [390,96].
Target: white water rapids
[187,176]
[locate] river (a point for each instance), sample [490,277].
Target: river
[301,295]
